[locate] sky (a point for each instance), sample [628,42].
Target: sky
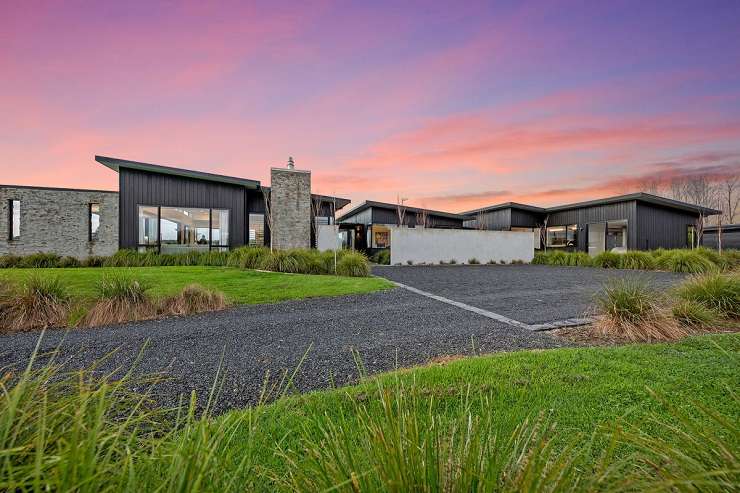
[450,105]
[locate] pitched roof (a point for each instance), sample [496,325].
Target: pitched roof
[385,205]
[116,164]
[639,196]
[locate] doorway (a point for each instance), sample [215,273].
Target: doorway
[596,238]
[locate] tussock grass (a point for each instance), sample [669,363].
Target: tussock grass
[580,259]
[36,302]
[558,258]
[608,260]
[689,261]
[10,261]
[638,260]
[695,314]
[353,264]
[194,298]
[719,292]
[120,298]
[630,309]
[382,257]
[473,261]
[280,261]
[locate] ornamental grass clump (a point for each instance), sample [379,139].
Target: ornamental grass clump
[638,260]
[607,260]
[685,261]
[353,264]
[251,257]
[558,258]
[194,298]
[120,298]
[40,260]
[280,261]
[694,314]
[580,259]
[718,292]
[36,303]
[630,309]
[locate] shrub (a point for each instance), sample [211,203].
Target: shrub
[581,259]
[9,261]
[280,261]
[732,257]
[93,261]
[194,298]
[452,261]
[638,260]
[685,261]
[124,258]
[68,262]
[36,303]
[252,257]
[540,258]
[557,257]
[353,264]
[719,292]
[309,261]
[40,260]
[473,261]
[409,262]
[607,260]
[694,314]
[713,256]
[120,299]
[382,257]
[630,309]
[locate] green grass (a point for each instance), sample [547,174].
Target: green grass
[504,422]
[239,286]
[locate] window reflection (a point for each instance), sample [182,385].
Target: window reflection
[148,226]
[94,221]
[257,229]
[184,229]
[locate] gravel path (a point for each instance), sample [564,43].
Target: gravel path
[389,329]
[531,294]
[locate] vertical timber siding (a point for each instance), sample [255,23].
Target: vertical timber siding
[660,227]
[155,189]
[598,214]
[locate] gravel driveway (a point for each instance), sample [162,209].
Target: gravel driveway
[531,294]
[389,329]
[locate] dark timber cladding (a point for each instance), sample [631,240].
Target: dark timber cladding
[137,187]
[582,216]
[662,227]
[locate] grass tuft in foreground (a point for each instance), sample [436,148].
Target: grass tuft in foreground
[36,303]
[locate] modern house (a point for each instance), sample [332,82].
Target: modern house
[637,221]
[164,209]
[730,236]
[365,227]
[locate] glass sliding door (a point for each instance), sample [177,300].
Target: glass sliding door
[182,229]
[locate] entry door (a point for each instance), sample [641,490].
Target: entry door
[596,238]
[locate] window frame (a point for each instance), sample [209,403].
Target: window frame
[11,225]
[158,244]
[93,237]
[567,228]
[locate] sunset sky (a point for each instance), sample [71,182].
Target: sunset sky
[452,105]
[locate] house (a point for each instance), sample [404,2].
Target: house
[730,236]
[365,227]
[637,221]
[164,209]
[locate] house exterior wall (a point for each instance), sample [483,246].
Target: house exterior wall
[55,220]
[156,189]
[582,216]
[432,245]
[730,238]
[660,227]
[290,203]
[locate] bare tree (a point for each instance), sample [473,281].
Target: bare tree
[316,201]
[422,218]
[400,210]
[268,212]
[543,232]
[678,189]
[729,192]
[650,185]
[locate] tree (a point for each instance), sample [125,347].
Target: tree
[729,192]
[268,212]
[422,218]
[316,201]
[400,210]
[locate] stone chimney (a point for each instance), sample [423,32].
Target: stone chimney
[290,203]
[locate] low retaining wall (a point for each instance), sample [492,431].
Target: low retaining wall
[432,246]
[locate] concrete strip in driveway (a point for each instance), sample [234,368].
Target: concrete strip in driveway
[389,329]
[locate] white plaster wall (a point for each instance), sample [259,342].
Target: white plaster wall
[327,237]
[432,245]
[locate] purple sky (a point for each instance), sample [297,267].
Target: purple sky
[453,106]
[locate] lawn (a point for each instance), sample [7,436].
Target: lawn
[394,432]
[239,286]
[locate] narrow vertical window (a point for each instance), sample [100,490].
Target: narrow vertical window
[94,222]
[14,215]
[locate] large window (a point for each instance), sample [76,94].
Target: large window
[180,229]
[94,222]
[381,236]
[562,236]
[257,229]
[14,215]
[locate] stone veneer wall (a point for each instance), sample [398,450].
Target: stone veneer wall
[290,204]
[56,220]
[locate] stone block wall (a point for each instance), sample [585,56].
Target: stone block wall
[290,204]
[56,220]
